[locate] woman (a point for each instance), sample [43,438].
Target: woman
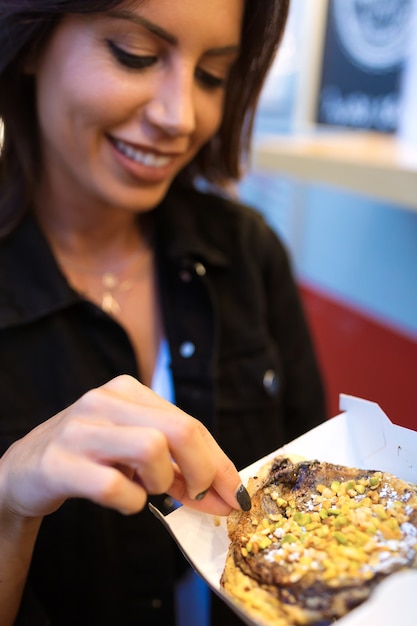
[119,117]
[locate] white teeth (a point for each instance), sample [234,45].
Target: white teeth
[146,158]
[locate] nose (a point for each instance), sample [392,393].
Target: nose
[172,107]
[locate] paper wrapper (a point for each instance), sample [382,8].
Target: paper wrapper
[361,436]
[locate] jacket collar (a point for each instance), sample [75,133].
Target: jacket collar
[184,228]
[31,284]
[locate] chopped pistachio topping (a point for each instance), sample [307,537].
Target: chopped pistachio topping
[352,530]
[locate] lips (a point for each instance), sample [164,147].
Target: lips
[143,157]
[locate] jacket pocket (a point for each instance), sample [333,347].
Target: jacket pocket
[250,376]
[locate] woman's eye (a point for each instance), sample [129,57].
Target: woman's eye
[209,80]
[132,61]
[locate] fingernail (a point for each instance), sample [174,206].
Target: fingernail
[201,495]
[243,498]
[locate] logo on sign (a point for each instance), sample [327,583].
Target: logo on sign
[373,33]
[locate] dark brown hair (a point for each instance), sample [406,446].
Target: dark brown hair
[25,26]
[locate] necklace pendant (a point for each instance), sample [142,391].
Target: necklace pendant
[109,304]
[109,280]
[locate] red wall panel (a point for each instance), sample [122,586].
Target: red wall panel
[362,357]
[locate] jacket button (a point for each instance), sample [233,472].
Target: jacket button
[187,349]
[271,382]
[200,269]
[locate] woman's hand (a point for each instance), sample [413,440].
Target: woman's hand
[114,446]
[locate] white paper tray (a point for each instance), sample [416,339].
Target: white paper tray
[361,436]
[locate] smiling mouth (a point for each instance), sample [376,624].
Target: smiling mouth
[140,156]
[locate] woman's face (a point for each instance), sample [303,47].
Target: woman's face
[126,99]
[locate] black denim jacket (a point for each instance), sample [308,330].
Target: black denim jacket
[242,362]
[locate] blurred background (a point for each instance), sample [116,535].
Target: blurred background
[334,171]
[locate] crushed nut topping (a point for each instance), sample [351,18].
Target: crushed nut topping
[346,530]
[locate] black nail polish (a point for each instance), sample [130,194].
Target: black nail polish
[243,498]
[201,495]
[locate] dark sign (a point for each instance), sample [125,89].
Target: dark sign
[364,51]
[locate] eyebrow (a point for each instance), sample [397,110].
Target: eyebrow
[165,35]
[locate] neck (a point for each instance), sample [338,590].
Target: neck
[108,269]
[100,244]
[86,229]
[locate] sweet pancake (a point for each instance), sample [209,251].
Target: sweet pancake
[318,539]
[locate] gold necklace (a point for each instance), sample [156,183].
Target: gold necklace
[110,283]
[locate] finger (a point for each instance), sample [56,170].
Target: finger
[143,449]
[192,456]
[129,402]
[212,502]
[226,493]
[101,484]
[201,460]
[230,488]
[226,482]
